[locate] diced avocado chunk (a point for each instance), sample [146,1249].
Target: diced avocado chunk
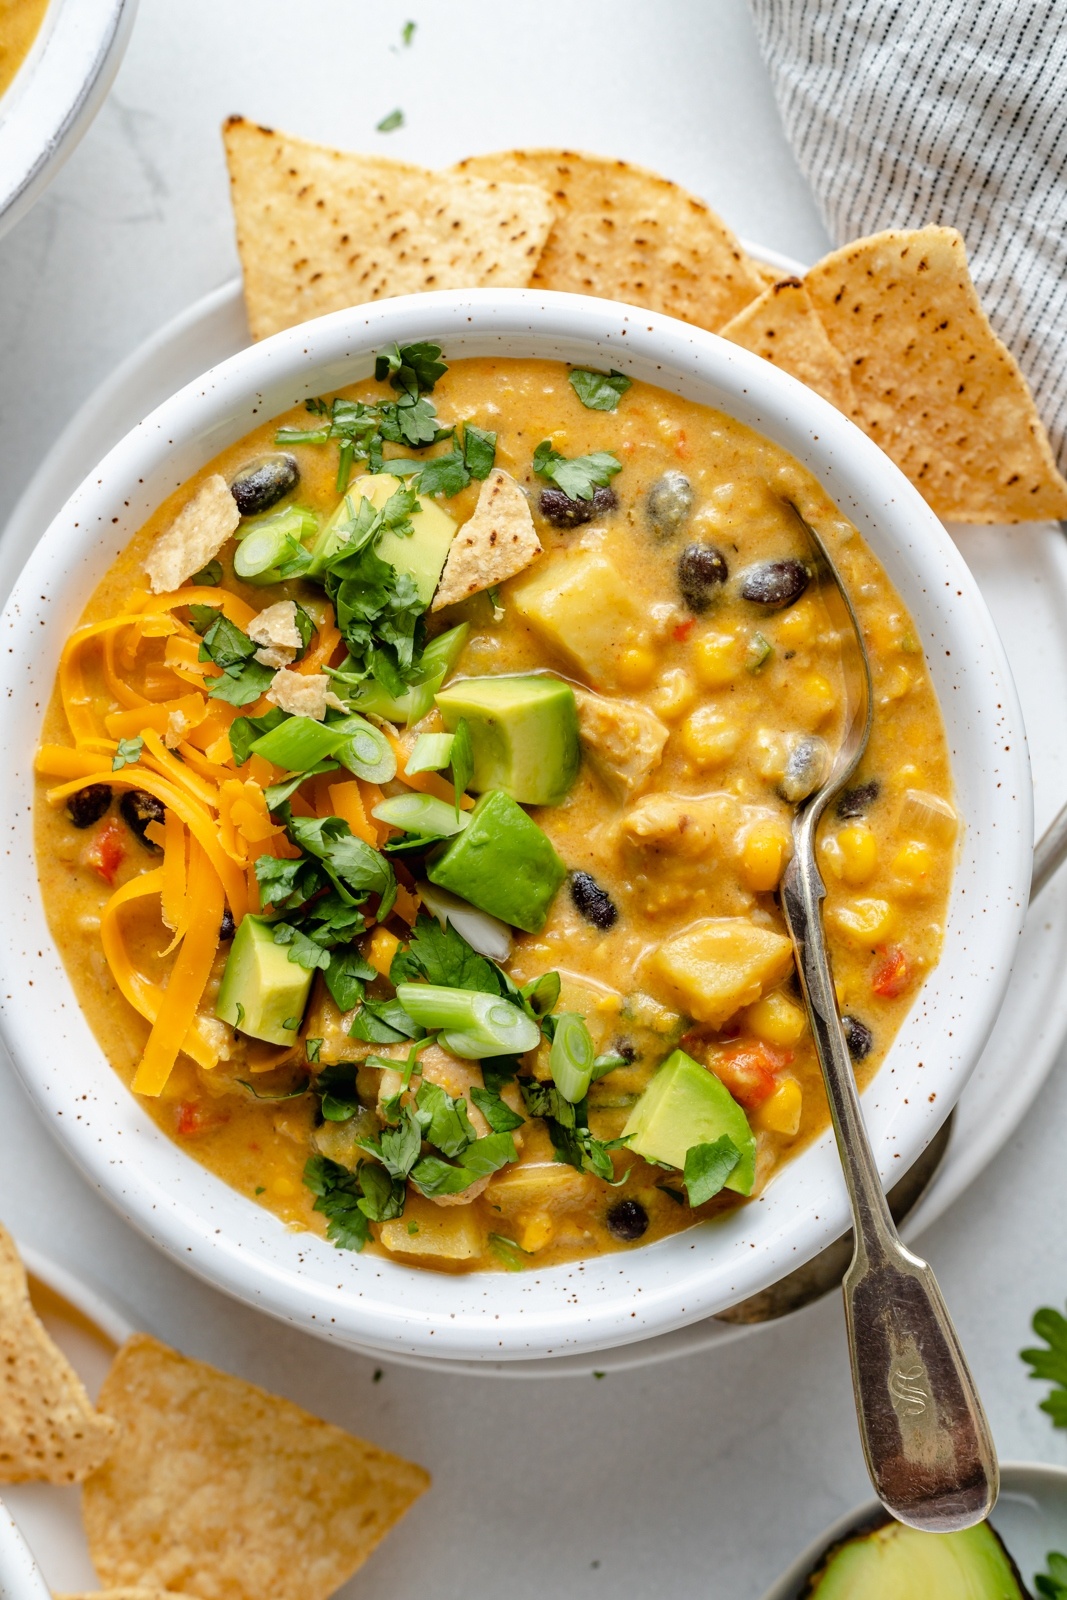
[502,863]
[581,605]
[261,989]
[524,734]
[422,553]
[685,1105]
[898,1563]
[438,660]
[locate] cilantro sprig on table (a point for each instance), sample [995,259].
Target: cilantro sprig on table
[1053,1584]
[1050,1365]
[580,476]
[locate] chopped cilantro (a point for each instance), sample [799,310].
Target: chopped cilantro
[397,1148]
[442,956]
[579,477]
[383,1022]
[383,1197]
[304,952]
[507,1252]
[129,751]
[239,686]
[598,391]
[707,1167]
[433,1176]
[395,119]
[339,1194]
[208,577]
[1050,1365]
[413,368]
[273,1094]
[345,977]
[1053,1584]
[446,474]
[407,33]
[444,1121]
[260,1189]
[276,794]
[312,1047]
[479,450]
[353,867]
[244,731]
[499,1116]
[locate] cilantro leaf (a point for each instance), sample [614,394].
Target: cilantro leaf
[444,1121]
[442,956]
[1050,1365]
[432,1176]
[1053,1585]
[303,952]
[579,1148]
[411,367]
[208,577]
[383,1022]
[128,751]
[407,33]
[397,1148]
[345,976]
[395,119]
[222,642]
[287,884]
[479,450]
[354,868]
[383,1197]
[339,1194]
[499,1116]
[276,794]
[446,474]
[311,1051]
[578,477]
[707,1167]
[244,731]
[598,391]
[240,685]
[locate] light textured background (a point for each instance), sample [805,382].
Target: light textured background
[701,1477]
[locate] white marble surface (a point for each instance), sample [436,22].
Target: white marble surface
[705,1476]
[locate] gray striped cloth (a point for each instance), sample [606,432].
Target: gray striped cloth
[908,112]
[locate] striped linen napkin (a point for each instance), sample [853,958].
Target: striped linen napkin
[904,113]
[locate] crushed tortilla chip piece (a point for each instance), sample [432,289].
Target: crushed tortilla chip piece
[195,537]
[627,234]
[934,385]
[49,1429]
[784,328]
[303,694]
[497,542]
[222,1491]
[276,633]
[320,229]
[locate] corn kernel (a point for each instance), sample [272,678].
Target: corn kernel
[709,739]
[797,627]
[675,695]
[781,1112]
[383,947]
[818,698]
[762,857]
[775,1019]
[284,1188]
[863,922]
[538,1230]
[717,660]
[912,867]
[856,856]
[895,685]
[635,667]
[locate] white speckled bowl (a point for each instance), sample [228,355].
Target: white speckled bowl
[20,1576]
[614,1299]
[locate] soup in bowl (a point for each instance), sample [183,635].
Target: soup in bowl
[415,790]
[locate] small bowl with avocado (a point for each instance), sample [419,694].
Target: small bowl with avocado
[866,1556]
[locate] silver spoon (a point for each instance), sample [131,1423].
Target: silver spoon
[925,1437]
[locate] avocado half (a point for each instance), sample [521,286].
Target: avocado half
[887,1561]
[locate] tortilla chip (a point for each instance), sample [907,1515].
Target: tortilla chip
[628,234]
[320,229]
[48,1427]
[497,542]
[194,538]
[125,1594]
[784,327]
[934,385]
[220,1490]
[768,276]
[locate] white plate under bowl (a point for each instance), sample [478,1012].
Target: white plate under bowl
[605,1301]
[55,95]
[1030,1517]
[88,1328]
[20,1576]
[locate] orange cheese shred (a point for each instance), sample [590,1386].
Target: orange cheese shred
[161,760]
[174,1025]
[347,803]
[60,761]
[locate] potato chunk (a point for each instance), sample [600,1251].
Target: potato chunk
[721,964]
[423,1230]
[623,741]
[581,606]
[540,1186]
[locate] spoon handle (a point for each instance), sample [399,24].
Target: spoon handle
[925,1436]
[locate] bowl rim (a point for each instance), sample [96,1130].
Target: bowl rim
[608,1300]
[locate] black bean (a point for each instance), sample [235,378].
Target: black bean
[857,802]
[139,809]
[263,483]
[627,1220]
[858,1037]
[563,512]
[227,927]
[775,583]
[702,570]
[594,903]
[89,805]
[628,1051]
[670,500]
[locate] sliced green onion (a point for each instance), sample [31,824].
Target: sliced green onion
[432,752]
[484,933]
[296,744]
[423,814]
[272,548]
[363,749]
[571,1057]
[476,1025]
[759,652]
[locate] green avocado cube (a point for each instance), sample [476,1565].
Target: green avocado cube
[686,1105]
[261,989]
[524,733]
[502,863]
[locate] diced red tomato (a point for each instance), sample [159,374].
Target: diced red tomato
[748,1071]
[107,851]
[684,629]
[893,973]
[190,1118]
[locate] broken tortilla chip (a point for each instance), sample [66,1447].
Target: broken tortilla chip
[498,541]
[49,1429]
[627,234]
[784,328]
[194,538]
[220,1490]
[934,386]
[320,229]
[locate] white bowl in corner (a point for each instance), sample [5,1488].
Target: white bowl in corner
[20,1576]
[614,1299]
[55,95]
